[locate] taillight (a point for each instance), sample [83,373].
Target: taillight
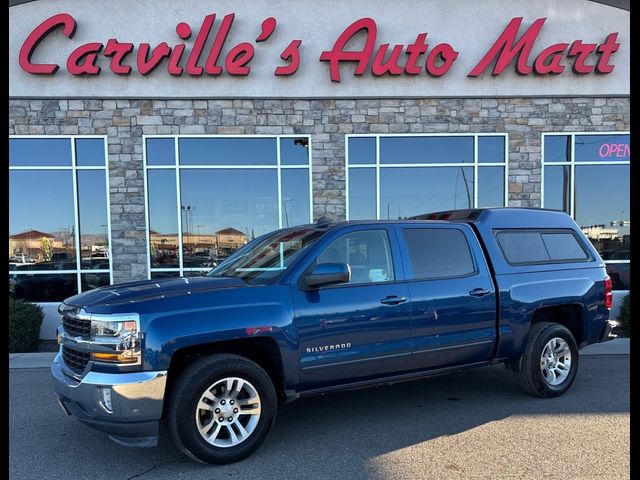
[608,294]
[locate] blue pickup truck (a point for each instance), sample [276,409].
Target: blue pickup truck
[331,306]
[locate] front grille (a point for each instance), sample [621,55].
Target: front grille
[75,327]
[76,361]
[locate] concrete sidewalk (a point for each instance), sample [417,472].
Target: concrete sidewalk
[619,346]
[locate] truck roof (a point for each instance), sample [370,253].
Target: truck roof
[495,217]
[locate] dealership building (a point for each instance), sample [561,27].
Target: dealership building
[151,139]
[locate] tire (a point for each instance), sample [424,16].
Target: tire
[186,414]
[537,377]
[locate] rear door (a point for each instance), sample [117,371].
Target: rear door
[453,317]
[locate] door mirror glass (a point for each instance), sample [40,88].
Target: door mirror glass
[325,274]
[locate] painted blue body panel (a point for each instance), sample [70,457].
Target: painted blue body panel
[439,326]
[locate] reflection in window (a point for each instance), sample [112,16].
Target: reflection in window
[600,203]
[418,174]
[362,194]
[446,149]
[43,232]
[604,216]
[557,188]
[163,220]
[405,192]
[231,190]
[42,287]
[366,252]
[227,151]
[39,152]
[294,151]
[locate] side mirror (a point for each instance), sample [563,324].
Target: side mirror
[325,274]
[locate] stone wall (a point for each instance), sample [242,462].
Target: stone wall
[326,121]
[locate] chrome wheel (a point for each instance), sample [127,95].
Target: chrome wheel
[228,412]
[555,362]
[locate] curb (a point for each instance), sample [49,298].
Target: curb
[17,361]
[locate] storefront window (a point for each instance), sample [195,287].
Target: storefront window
[58,217]
[220,193]
[392,177]
[587,176]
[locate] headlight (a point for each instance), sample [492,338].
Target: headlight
[117,339]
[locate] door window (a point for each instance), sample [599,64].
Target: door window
[366,252]
[438,253]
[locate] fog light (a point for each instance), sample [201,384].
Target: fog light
[105,398]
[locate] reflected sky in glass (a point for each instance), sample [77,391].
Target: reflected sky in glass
[362,194]
[362,150]
[602,195]
[90,152]
[294,151]
[227,151]
[160,151]
[41,200]
[556,148]
[405,192]
[92,210]
[295,197]
[426,149]
[246,200]
[491,149]
[161,186]
[556,187]
[490,187]
[40,152]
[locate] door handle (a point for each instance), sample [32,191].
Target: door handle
[393,300]
[479,292]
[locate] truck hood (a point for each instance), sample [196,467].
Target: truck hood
[146,290]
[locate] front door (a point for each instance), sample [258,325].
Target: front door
[359,329]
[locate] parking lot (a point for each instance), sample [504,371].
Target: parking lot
[475,424]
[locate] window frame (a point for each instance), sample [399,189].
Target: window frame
[476,164]
[74,168]
[177,168]
[588,258]
[572,163]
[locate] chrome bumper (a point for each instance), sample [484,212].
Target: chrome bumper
[136,402]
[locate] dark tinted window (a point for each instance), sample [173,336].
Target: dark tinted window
[620,274]
[523,247]
[563,246]
[438,253]
[527,246]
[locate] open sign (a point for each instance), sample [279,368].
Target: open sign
[614,150]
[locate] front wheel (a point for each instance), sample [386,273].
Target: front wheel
[221,409]
[549,363]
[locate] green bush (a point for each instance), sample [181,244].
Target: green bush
[624,316]
[25,320]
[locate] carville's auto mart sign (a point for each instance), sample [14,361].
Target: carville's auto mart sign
[284,49]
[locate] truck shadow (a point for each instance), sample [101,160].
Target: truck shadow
[340,435]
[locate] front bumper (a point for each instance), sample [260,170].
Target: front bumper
[136,402]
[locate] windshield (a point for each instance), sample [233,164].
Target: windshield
[266,258]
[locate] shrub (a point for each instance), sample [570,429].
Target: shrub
[624,316]
[25,320]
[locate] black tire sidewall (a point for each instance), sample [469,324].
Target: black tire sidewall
[184,403]
[553,331]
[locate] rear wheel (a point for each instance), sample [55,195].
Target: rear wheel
[221,409]
[549,363]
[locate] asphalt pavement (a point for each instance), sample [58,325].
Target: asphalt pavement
[471,425]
